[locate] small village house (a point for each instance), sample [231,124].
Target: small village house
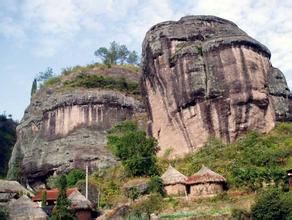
[174,182]
[205,183]
[82,207]
[52,195]
[24,208]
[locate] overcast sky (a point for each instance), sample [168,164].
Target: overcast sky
[36,34]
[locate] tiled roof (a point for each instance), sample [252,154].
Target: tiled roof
[52,194]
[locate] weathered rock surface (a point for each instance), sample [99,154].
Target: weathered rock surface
[62,130]
[202,77]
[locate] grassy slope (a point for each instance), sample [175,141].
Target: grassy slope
[122,78]
[246,164]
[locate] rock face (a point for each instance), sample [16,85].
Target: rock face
[202,77]
[62,130]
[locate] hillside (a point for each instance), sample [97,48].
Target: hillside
[7,141]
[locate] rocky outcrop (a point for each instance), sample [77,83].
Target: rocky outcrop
[65,129]
[202,77]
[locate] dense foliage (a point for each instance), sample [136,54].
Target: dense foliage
[7,141]
[74,176]
[273,204]
[134,149]
[156,185]
[95,81]
[62,209]
[116,54]
[255,159]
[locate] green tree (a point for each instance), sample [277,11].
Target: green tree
[136,151]
[116,54]
[156,185]
[74,176]
[34,87]
[46,75]
[133,58]
[44,199]
[270,206]
[62,208]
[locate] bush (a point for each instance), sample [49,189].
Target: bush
[74,176]
[136,151]
[156,185]
[95,81]
[270,205]
[153,203]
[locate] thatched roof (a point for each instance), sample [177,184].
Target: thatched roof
[172,176]
[23,208]
[7,186]
[205,175]
[78,201]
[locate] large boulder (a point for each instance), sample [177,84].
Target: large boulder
[203,76]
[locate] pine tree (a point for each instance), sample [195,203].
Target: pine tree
[62,208]
[34,87]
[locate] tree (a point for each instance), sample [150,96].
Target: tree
[44,199]
[116,54]
[61,210]
[269,205]
[136,151]
[44,76]
[74,176]
[34,87]
[133,58]
[156,185]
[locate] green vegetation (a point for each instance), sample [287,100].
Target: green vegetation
[62,208]
[34,87]
[273,204]
[3,213]
[116,54]
[7,141]
[156,185]
[44,199]
[74,176]
[252,161]
[95,81]
[136,151]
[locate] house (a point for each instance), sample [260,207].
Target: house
[205,183]
[52,195]
[174,182]
[82,207]
[24,208]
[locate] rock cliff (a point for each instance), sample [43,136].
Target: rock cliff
[203,77]
[64,128]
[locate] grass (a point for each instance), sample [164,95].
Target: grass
[95,81]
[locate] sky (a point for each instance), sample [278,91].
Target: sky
[37,34]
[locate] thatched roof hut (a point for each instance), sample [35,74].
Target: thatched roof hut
[174,181]
[81,206]
[24,209]
[205,183]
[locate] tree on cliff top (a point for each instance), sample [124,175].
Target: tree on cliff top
[116,54]
[136,151]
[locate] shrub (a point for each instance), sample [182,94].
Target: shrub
[136,151]
[95,81]
[156,185]
[153,203]
[270,205]
[74,176]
